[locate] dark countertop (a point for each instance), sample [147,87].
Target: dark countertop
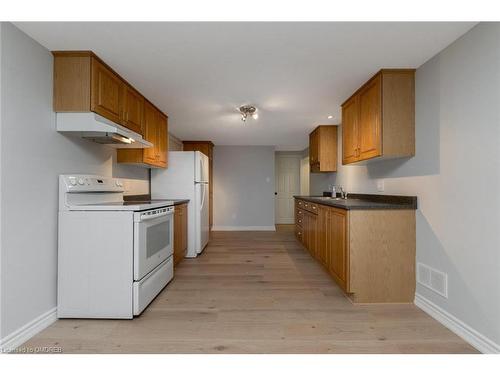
[366,202]
[179,201]
[147,197]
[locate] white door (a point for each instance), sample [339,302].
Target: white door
[304,176]
[202,221]
[287,185]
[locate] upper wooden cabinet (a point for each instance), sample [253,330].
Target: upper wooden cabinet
[151,133]
[133,108]
[378,120]
[156,132]
[83,83]
[350,130]
[203,146]
[162,140]
[106,92]
[323,149]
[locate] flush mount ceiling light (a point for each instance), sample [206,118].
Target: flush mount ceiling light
[248,110]
[330,117]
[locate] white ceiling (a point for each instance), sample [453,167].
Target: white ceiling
[295,73]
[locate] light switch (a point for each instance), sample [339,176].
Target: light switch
[380,185]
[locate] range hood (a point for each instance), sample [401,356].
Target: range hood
[91,126]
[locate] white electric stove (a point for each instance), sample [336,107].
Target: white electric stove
[114,256]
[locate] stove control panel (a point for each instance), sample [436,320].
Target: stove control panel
[91,183]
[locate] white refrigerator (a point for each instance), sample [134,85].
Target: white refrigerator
[186,178]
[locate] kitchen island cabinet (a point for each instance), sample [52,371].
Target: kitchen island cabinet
[369,252]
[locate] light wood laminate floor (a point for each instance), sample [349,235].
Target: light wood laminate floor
[256,292]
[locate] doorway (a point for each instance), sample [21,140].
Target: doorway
[304,176]
[287,185]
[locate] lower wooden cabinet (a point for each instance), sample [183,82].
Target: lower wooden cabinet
[180,232]
[369,253]
[337,246]
[306,222]
[310,238]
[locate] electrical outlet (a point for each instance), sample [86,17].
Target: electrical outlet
[380,185]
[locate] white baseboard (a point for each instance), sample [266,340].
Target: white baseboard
[287,222]
[243,228]
[469,334]
[23,334]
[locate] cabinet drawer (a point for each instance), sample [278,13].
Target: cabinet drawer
[311,207]
[299,221]
[299,204]
[298,233]
[299,216]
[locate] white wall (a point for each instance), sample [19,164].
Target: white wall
[174,143]
[456,176]
[243,187]
[32,155]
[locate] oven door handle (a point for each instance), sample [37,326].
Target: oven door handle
[156,216]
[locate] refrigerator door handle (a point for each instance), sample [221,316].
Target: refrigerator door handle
[202,197]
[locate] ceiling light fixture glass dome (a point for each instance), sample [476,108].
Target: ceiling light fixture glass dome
[248,110]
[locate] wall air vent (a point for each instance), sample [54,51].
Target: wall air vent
[433,279]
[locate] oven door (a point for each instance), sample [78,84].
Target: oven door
[153,239]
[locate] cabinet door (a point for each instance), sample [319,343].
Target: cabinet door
[305,229]
[313,234]
[106,92]
[150,132]
[350,131]
[337,247]
[322,230]
[162,150]
[370,120]
[177,235]
[133,107]
[314,148]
